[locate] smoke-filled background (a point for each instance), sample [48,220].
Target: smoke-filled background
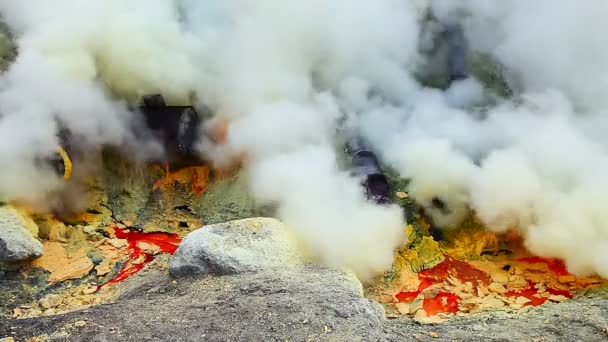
[293,76]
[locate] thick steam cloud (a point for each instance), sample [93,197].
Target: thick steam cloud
[534,163]
[292,77]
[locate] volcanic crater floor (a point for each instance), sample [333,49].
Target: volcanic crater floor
[103,276]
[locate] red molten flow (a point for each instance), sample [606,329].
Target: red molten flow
[446,302]
[531,293]
[556,266]
[138,258]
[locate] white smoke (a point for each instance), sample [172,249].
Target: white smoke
[288,75]
[269,66]
[328,211]
[282,68]
[73,58]
[537,163]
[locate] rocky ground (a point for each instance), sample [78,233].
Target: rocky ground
[243,290]
[313,304]
[81,251]
[229,281]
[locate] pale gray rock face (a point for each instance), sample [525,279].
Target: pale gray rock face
[16,239]
[235,247]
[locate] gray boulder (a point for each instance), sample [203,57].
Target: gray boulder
[249,245]
[17,241]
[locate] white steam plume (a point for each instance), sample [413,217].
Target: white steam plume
[270,66]
[73,56]
[328,211]
[537,163]
[281,66]
[286,74]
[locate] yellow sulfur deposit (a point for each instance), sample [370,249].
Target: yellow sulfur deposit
[67,163]
[425,255]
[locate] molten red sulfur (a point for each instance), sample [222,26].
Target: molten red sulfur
[531,293]
[457,269]
[444,302]
[558,267]
[407,296]
[166,242]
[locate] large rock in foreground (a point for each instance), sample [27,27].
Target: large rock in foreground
[249,245]
[17,241]
[308,304]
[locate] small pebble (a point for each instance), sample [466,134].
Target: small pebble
[402,195]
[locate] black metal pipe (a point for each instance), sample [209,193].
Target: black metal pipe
[177,127]
[53,162]
[457,46]
[366,166]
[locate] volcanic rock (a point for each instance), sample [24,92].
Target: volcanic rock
[17,236]
[310,303]
[7,47]
[235,247]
